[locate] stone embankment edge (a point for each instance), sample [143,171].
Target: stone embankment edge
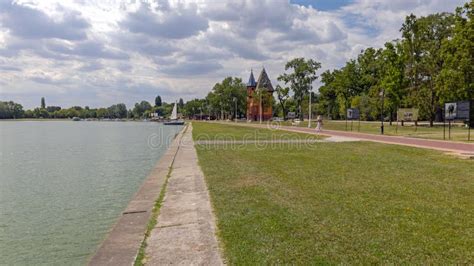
[123,242]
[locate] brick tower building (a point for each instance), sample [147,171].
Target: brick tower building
[259,103]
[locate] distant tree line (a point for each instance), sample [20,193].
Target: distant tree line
[143,109]
[10,110]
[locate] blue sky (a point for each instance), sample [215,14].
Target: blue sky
[99,53]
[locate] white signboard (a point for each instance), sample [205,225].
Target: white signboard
[450,110]
[407,114]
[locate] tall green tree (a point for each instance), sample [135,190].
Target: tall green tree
[194,107]
[283,94]
[328,96]
[120,110]
[302,75]
[412,50]
[41,113]
[9,110]
[366,71]
[140,109]
[422,39]
[392,79]
[347,85]
[158,101]
[43,103]
[221,99]
[102,113]
[456,79]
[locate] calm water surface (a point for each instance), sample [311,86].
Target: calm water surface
[64,184]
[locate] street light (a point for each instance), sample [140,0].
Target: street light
[222,112]
[382,94]
[235,114]
[309,116]
[260,105]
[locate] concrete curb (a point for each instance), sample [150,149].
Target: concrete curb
[123,242]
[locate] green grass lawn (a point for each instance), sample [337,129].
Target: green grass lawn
[227,131]
[458,133]
[331,203]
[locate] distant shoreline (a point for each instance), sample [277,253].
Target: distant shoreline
[83,120]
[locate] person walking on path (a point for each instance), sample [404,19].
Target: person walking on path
[319,126]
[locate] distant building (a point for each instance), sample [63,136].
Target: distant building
[254,100]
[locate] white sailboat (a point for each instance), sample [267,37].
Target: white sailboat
[174,117]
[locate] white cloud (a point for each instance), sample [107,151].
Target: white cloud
[30,23]
[97,53]
[177,23]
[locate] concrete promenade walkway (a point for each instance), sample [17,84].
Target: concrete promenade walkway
[185,233]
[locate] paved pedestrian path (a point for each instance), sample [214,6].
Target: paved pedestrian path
[441,145]
[185,233]
[449,146]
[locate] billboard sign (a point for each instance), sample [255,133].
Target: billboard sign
[450,110]
[463,110]
[407,114]
[353,114]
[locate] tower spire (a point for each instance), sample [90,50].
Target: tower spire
[251,82]
[264,82]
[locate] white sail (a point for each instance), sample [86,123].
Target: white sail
[174,114]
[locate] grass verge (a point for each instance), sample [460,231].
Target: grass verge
[227,131]
[333,203]
[139,261]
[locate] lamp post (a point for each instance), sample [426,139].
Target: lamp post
[260,105]
[235,114]
[222,111]
[309,115]
[382,95]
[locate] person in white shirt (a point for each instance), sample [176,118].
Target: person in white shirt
[319,126]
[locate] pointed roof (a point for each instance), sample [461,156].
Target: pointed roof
[264,81]
[251,82]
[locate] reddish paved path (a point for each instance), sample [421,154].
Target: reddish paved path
[442,145]
[451,146]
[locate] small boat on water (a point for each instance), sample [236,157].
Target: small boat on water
[174,123]
[174,117]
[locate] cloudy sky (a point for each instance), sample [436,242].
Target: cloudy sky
[97,53]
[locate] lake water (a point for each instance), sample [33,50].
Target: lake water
[63,184]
